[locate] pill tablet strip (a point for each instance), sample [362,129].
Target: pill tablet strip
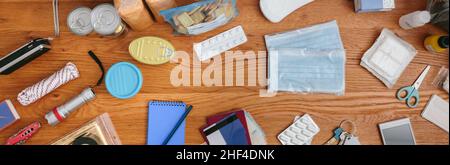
[300,132]
[309,142]
[220,43]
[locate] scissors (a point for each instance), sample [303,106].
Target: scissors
[412,92]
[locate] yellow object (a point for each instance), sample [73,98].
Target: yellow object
[151,50]
[436,43]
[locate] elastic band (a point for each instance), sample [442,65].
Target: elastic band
[99,63]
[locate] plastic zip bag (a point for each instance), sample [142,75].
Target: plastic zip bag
[439,12]
[442,79]
[200,17]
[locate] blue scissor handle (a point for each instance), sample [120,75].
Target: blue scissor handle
[409,90]
[411,93]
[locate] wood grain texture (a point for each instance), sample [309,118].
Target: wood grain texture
[367,101]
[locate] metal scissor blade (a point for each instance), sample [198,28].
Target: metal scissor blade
[421,77]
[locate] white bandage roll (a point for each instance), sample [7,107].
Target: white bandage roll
[44,87]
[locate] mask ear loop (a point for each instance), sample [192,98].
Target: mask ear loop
[351,123]
[100,65]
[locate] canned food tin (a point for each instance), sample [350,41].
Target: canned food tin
[79,21]
[106,21]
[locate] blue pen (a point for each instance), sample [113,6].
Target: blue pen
[178,125]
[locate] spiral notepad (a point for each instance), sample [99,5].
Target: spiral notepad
[162,118]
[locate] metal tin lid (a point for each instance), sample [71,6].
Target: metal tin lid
[105,19]
[151,50]
[79,21]
[123,80]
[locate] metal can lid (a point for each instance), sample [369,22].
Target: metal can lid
[105,19]
[79,21]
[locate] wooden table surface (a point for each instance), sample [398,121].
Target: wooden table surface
[367,101]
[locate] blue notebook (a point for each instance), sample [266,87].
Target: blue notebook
[8,114]
[162,118]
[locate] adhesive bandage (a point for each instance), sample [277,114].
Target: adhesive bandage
[388,57]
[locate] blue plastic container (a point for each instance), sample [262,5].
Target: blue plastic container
[123,80]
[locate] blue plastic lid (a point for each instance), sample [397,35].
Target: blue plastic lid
[123,80]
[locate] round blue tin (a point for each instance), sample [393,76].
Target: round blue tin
[123,80]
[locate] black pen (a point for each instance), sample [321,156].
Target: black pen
[188,109]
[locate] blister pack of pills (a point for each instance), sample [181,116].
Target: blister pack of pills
[300,132]
[220,43]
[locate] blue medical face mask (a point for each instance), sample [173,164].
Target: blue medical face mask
[308,60]
[307,70]
[322,36]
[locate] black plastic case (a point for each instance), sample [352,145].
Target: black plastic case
[23,55]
